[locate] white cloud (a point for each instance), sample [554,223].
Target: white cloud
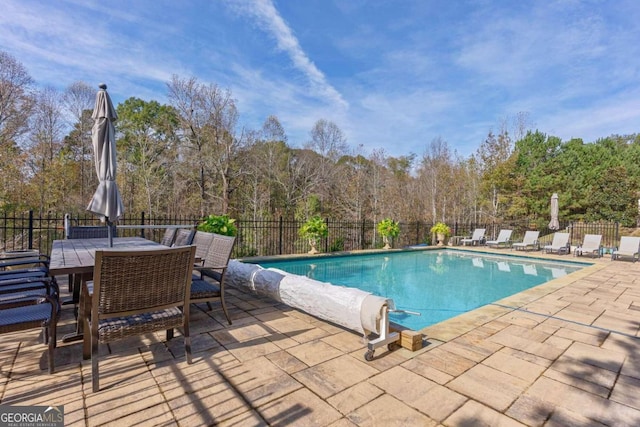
[269,20]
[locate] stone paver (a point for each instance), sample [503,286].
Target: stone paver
[434,400]
[335,375]
[626,391]
[489,386]
[354,397]
[389,411]
[563,353]
[314,352]
[473,413]
[301,408]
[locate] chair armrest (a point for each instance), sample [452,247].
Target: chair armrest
[214,273]
[209,267]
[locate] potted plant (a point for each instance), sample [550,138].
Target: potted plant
[314,229]
[442,231]
[219,224]
[388,228]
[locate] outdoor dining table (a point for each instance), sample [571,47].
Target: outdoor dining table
[77,257]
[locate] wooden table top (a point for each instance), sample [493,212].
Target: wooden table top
[76,256]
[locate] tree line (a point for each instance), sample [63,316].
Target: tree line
[191,157]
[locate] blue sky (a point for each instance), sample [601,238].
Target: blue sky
[392,74]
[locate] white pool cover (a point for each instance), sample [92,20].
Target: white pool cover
[349,307]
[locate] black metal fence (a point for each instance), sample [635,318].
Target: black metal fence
[24,230]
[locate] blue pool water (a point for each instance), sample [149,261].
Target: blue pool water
[437,284]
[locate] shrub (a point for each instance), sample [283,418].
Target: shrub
[441,228]
[219,224]
[388,228]
[314,228]
[337,245]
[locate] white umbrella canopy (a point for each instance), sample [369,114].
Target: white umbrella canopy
[554,224]
[106,201]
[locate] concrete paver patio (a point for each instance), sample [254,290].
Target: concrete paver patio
[563,353]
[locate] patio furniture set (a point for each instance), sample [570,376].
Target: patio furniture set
[140,286]
[135,287]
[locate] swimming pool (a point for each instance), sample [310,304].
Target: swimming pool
[439,284]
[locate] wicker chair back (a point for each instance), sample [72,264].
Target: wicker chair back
[137,292]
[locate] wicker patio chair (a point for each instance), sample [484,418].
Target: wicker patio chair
[26,276]
[209,284]
[84,232]
[21,314]
[11,259]
[90,232]
[184,237]
[29,286]
[135,293]
[20,266]
[202,241]
[168,237]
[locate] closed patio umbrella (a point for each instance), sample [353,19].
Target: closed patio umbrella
[106,201]
[554,224]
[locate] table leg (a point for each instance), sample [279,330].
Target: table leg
[85,311]
[77,335]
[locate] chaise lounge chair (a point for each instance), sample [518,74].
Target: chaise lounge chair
[476,238]
[590,246]
[503,240]
[530,241]
[559,245]
[629,248]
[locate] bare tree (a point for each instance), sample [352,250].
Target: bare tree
[271,154]
[378,181]
[355,173]
[16,99]
[493,154]
[208,118]
[78,100]
[435,173]
[45,143]
[327,140]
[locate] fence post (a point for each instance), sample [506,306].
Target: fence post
[362,234]
[326,239]
[280,236]
[30,229]
[142,223]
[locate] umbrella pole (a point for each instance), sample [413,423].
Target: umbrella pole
[110,232]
